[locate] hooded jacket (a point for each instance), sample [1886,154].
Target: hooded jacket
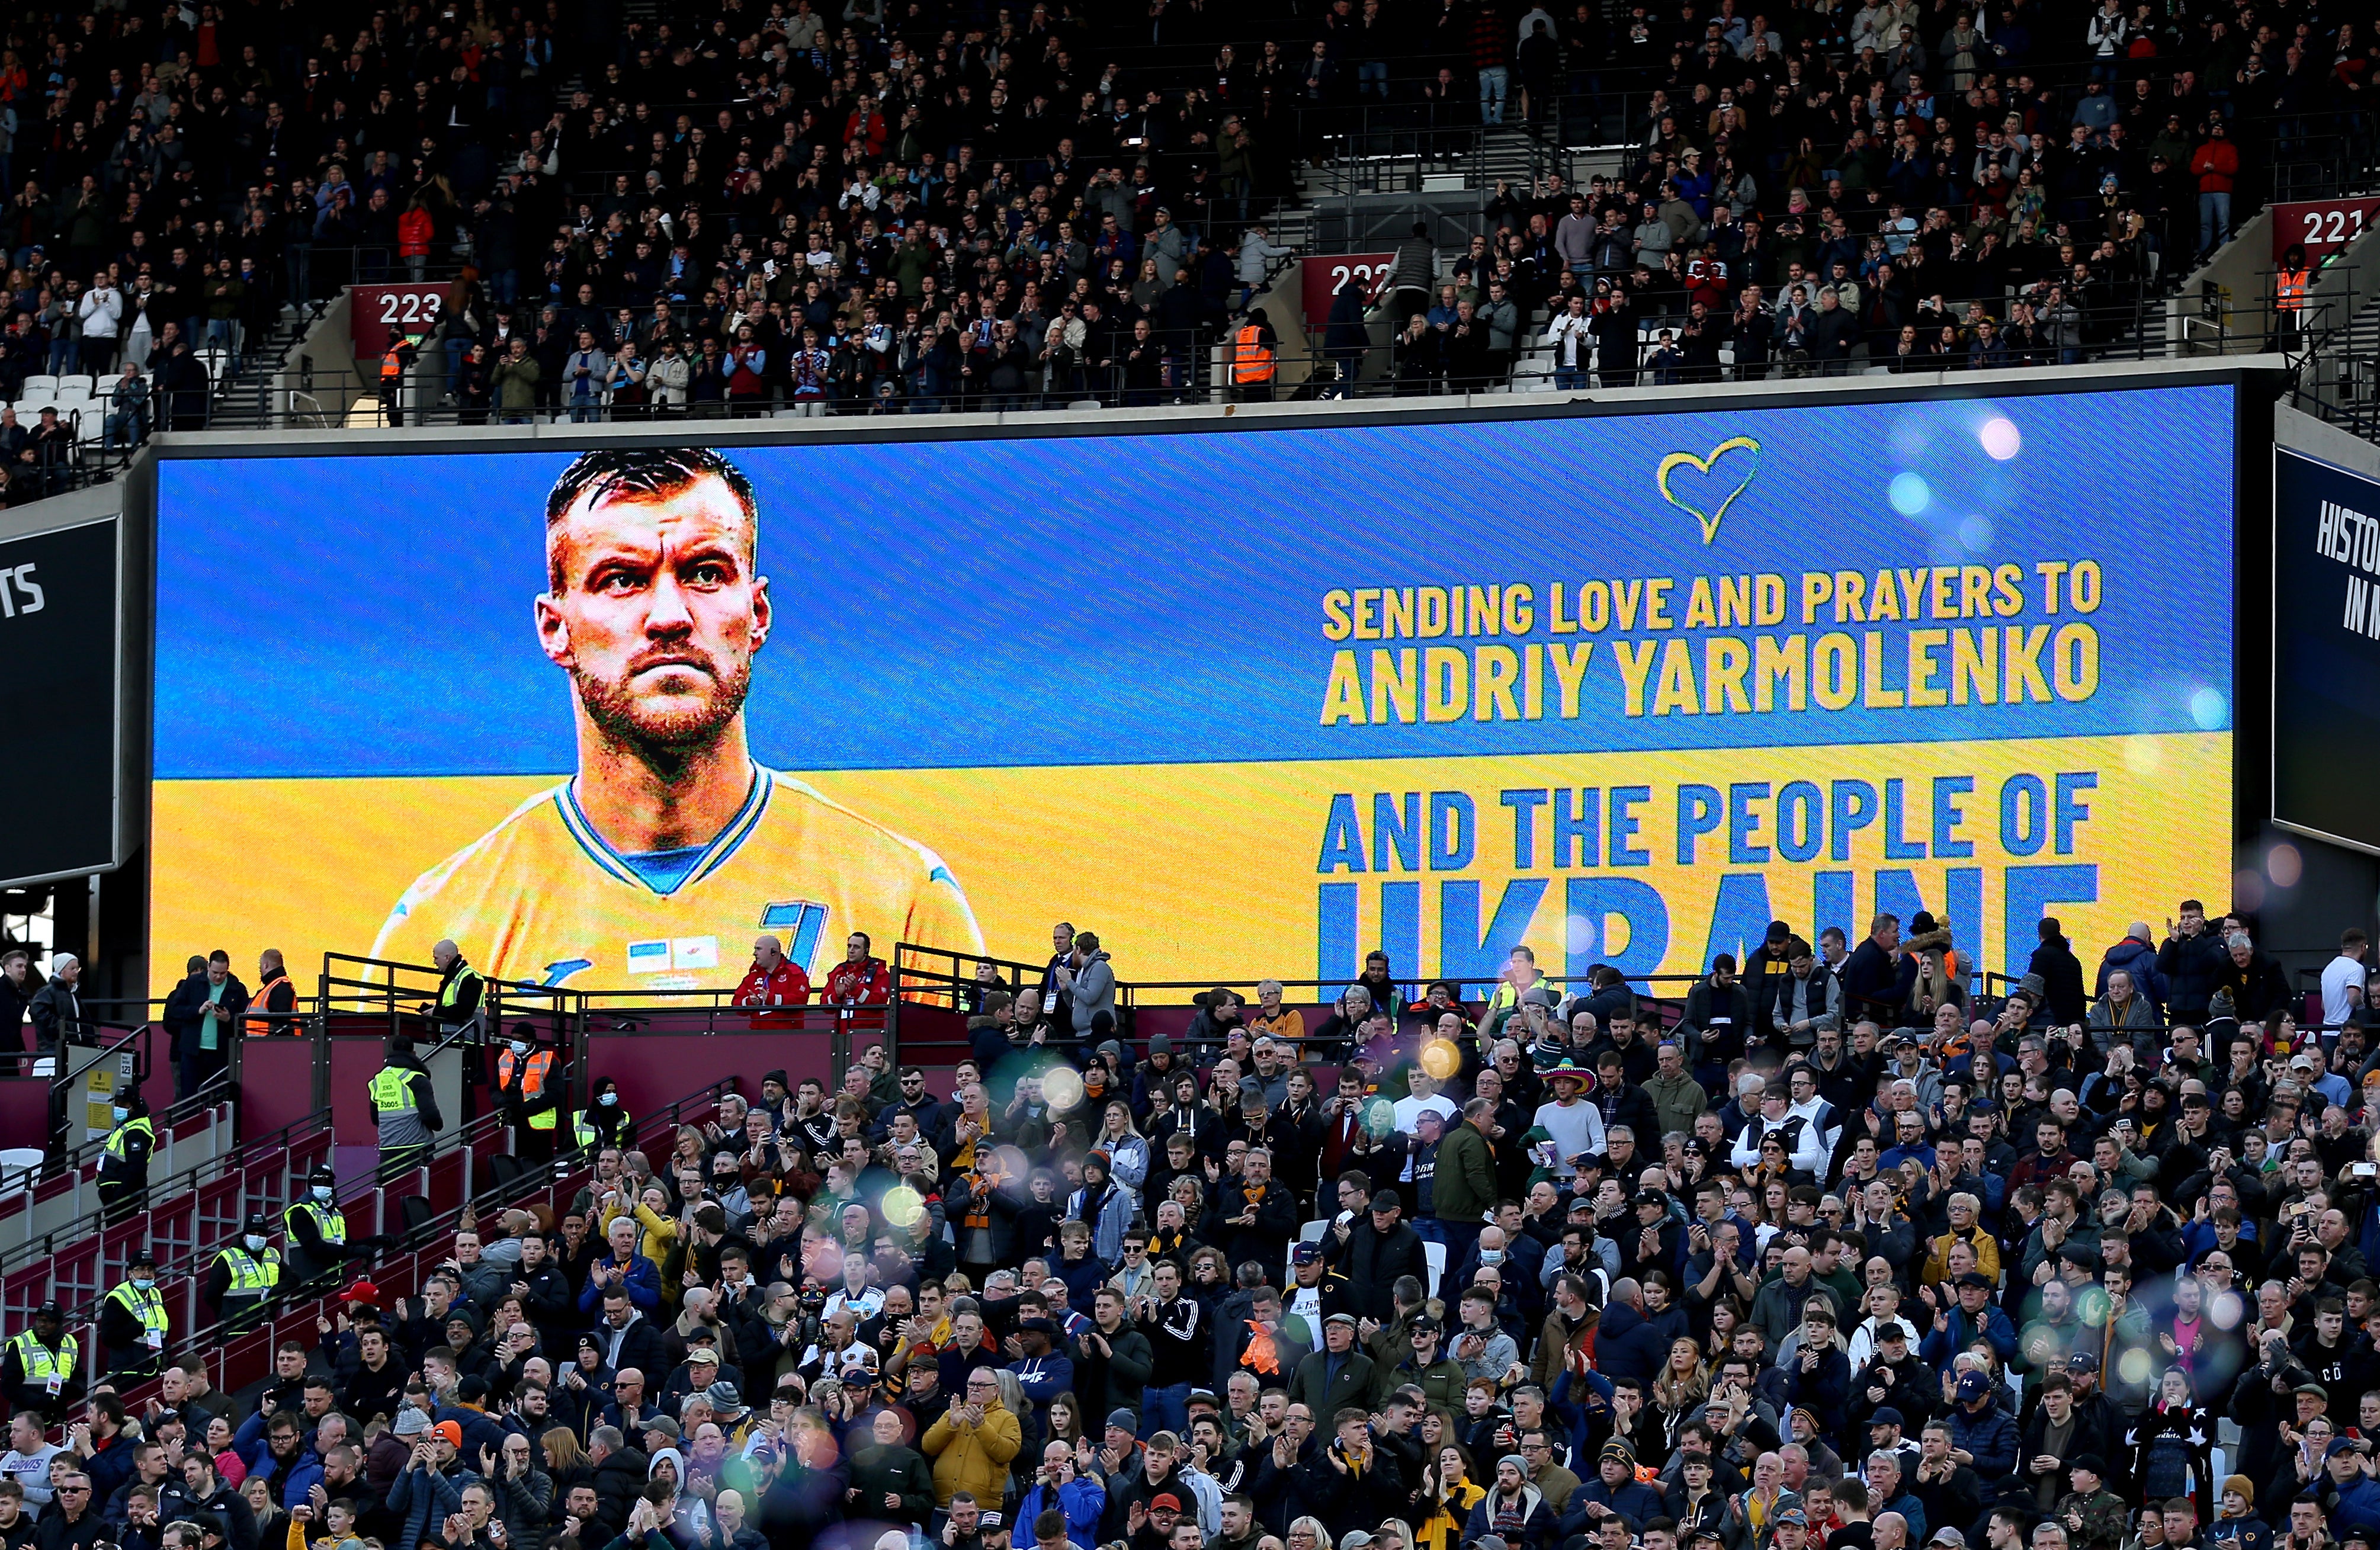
[2137,959]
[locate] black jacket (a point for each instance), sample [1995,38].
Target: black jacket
[1264,1243]
[1873,986]
[2258,990]
[619,1480]
[2061,974]
[56,1009]
[1372,1261]
[2193,967]
[13,1001]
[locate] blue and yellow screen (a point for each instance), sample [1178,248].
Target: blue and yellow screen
[1620,688]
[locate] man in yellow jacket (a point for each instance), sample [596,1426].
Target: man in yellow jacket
[973,1442]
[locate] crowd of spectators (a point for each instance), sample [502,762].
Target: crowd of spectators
[1832,1252]
[879,206]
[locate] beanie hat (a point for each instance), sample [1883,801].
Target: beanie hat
[2239,1483]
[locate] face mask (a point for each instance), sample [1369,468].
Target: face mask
[609,1100]
[321,1192]
[143,1283]
[520,1046]
[1491,1257]
[121,1113]
[255,1243]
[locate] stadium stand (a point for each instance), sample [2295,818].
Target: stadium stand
[1541,1261]
[747,210]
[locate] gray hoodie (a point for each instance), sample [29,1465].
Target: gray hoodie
[1094,991]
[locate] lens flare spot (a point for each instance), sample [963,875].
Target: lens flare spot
[2000,438]
[1063,1086]
[1441,1059]
[1909,495]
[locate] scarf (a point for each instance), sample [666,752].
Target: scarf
[982,1181]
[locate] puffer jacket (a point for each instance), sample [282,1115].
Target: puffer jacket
[973,1457]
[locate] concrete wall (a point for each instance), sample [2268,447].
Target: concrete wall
[2237,316]
[329,347]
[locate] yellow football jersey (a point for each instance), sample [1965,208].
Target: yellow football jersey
[541,898]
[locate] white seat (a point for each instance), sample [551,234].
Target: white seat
[1312,1231]
[19,1166]
[1436,1254]
[72,380]
[37,388]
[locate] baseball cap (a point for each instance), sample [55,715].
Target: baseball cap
[1387,1200]
[1794,1516]
[1425,1324]
[1948,1536]
[1973,1279]
[1973,1386]
[1306,1253]
[703,1354]
[1165,1501]
[1888,1416]
[2083,1361]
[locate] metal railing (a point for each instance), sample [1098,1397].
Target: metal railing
[307,1139]
[238,1353]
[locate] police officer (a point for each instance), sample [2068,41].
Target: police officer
[37,1368]
[246,1275]
[403,1107]
[124,1162]
[316,1245]
[459,990]
[527,1088]
[132,1324]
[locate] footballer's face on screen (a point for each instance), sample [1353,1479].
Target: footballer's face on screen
[656,611]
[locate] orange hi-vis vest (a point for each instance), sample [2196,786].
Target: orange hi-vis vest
[2289,292]
[532,1083]
[1251,362]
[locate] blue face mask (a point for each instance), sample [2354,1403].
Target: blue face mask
[609,1100]
[143,1283]
[321,1192]
[121,1113]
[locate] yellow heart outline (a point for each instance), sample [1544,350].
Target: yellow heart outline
[1676,460]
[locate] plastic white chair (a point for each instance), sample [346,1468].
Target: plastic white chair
[19,1166]
[38,390]
[1436,1254]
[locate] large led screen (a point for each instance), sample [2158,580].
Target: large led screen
[1246,701]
